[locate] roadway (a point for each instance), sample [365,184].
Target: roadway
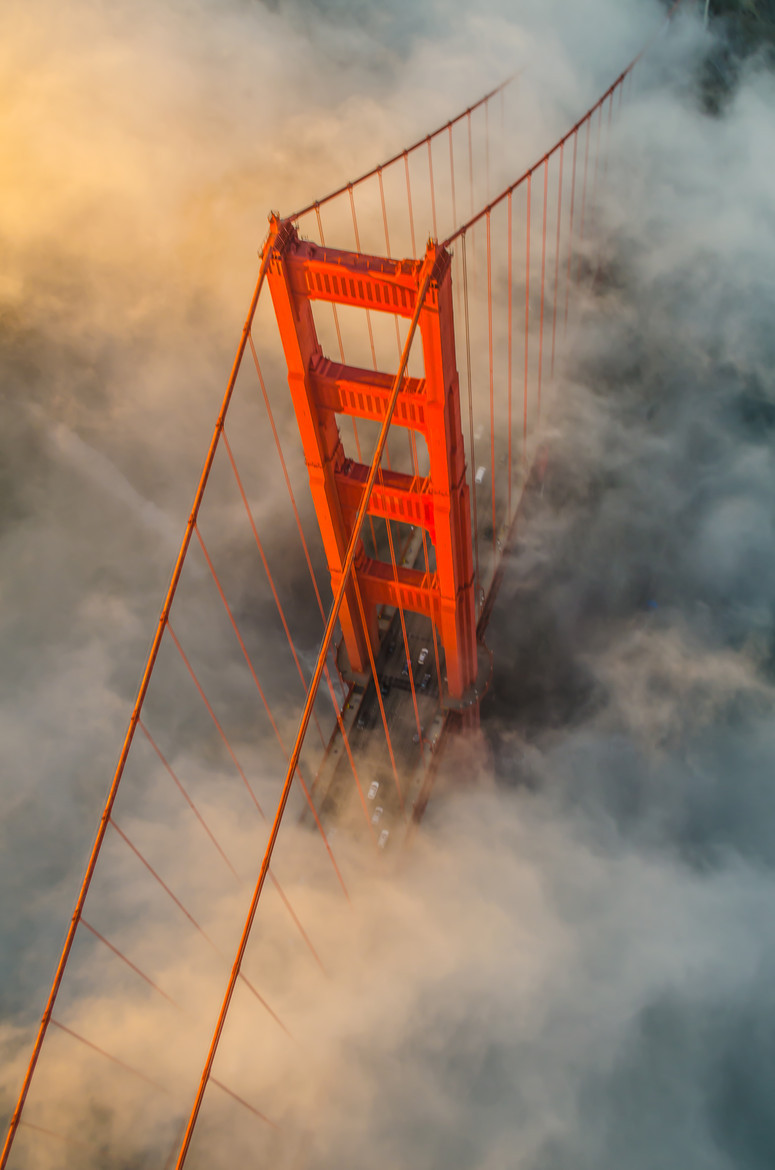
[364,789]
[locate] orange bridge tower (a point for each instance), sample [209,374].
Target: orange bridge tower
[299,272]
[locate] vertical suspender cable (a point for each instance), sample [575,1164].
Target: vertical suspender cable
[608,133]
[108,1056]
[409,201]
[268,571]
[510,250]
[384,211]
[433,193]
[168,768]
[470,164]
[487,146]
[375,677]
[570,226]
[215,719]
[527,320]
[452,179]
[287,478]
[338,337]
[267,708]
[292,497]
[387,244]
[358,248]
[128,962]
[405,636]
[492,392]
[543,276]
[113,791]
[584,183]
[426,558]
[305,718]
[333,306]
[557,259]
[350,756]
[454,205]
[471,191]
[597,151]
[471,419]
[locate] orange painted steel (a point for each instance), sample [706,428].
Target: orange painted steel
[284,899]
[391,396]
[132,966]
[269,576]
[487,146]
[267,708]
[427,275]
[200,929]
[340,346]
[299,273]
[157,877]
[452,175]
[243,1102]
[426,561]
[625,75]
[557,260]
[608,135]
[108,1056]
[383,713]
[186,797]
[570,227]
[60,1137]
[351,760]
[471,433]
[283,464]
[404,153]
[584,183]
[133,721]
[510,346]
[409,201]
[527,321]
[402,617]
[470,164]
[433,192]
[543,283]
[216,721]
[368,312]
[597,150]
[492,389]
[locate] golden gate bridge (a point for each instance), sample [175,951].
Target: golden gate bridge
[416,381]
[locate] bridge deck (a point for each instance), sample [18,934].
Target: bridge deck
[387,795]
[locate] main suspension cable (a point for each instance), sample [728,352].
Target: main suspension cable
[427,274]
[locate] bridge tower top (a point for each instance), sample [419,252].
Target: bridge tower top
[210,736]
[299,273]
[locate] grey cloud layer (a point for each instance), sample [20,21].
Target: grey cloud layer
[574,968]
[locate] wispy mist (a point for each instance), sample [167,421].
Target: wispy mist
[573,965]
